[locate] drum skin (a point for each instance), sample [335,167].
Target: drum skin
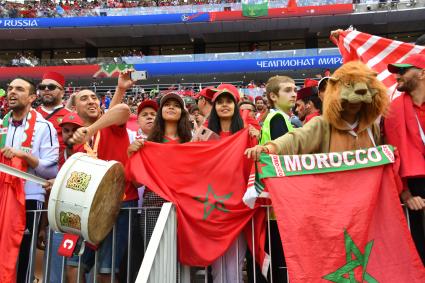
[86,197]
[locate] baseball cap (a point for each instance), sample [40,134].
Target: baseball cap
[174,95]
[310,85]
[59,78]
[147,103]
[225,88]
[205,93]
[415,60]
[71,118]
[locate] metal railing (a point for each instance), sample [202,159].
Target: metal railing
[160,254]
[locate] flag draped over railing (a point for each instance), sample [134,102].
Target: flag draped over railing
[376,52]
[339,217]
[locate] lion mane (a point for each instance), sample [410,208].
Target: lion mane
[347,75]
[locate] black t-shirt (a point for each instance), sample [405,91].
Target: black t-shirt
[277,127]
[417,186]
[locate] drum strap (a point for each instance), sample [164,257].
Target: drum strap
[92,151]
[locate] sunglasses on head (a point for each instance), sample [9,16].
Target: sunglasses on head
[49,87]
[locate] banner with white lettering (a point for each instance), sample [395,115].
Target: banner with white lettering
[319,163]
[344,225]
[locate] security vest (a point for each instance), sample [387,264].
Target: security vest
[265,130]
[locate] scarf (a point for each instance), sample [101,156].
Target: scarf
[26,143]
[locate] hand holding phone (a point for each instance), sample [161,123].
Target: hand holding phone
[138,75]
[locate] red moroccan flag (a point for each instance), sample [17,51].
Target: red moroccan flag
[206,182]
[12,219]
[340,218]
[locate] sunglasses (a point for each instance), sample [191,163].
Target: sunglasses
[402,71]
[49,87]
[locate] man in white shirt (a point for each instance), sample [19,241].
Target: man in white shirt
[27,135]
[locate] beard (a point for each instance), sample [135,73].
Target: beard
[407,86]
[17,107]
[50,100]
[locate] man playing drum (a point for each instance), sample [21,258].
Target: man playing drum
[104,136]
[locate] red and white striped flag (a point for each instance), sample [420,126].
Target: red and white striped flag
[376,52]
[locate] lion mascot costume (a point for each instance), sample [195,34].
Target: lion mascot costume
[353,102]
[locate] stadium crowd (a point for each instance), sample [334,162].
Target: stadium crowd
[52,9]
[281,119]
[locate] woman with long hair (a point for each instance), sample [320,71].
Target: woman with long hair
[225,120]
[171,125]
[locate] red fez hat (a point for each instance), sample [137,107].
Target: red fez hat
[60,79]
[308,90]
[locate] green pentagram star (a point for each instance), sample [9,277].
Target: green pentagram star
[360,260]
[217,202]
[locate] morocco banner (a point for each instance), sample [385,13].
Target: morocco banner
[206,182]
[255,8]
[340,218]
[12,220]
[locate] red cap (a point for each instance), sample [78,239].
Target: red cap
[415,60]
[225,88]
[60,79]
[308,89]
[71,118]
[205,93]
[147,103]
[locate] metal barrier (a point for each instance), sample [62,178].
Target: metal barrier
[159,253]
[162,250]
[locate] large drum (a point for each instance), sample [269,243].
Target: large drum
[86,197]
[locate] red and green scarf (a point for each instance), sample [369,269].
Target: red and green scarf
[26,143]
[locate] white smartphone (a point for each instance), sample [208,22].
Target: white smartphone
[139,75]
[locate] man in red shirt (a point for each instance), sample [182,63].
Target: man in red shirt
[404,128]
[303,107]
[203,100]
[105,136]
[51,90]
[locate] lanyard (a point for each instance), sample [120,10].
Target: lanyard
[92,151]
[421,131]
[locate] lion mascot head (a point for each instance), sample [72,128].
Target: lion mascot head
[354,82]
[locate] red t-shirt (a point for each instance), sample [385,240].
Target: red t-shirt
[420,113]
[311,116]
[113,145]
[225,134]
[170,140]
[55,119]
